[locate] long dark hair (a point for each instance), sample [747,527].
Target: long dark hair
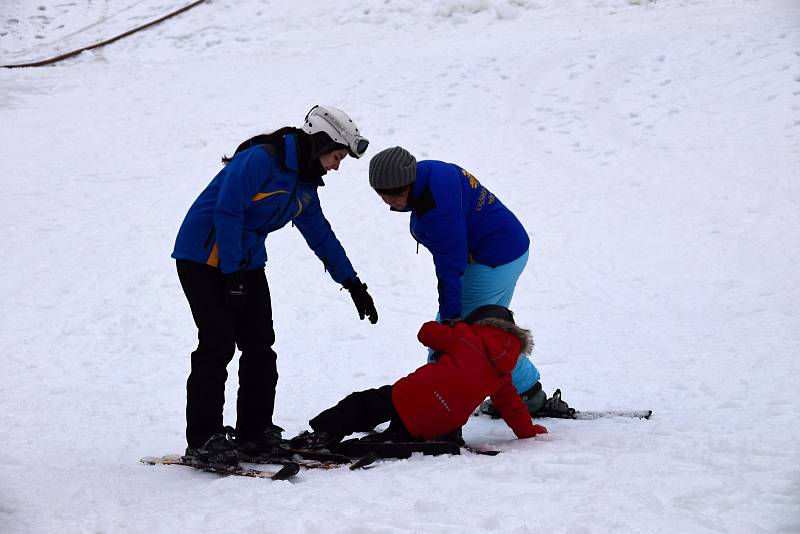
[275,138]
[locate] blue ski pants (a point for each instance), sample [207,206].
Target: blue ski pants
[481,285]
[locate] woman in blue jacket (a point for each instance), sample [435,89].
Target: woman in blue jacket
[271,180]
[479,247]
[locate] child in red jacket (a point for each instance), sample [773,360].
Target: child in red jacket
[475,359]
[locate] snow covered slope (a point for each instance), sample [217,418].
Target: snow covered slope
[652,149]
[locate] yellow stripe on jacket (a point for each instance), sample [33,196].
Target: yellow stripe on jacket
[259,196]
[213,258]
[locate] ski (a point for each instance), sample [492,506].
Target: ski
[384,453]
[306,459]
[556,408]
[356,448]
[324,456]
[480,450]
[364,462]
[632,414]
[287,471]
[365,452]
[353,453]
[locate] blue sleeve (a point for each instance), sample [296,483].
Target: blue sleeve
[447,242]
[243,177]
[318,234]
[448,245]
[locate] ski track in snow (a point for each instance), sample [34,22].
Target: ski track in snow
[650,148]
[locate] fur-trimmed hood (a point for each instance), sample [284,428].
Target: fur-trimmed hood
[524,335]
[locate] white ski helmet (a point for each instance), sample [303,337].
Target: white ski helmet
[339,127]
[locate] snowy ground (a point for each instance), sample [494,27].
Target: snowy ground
[652,149]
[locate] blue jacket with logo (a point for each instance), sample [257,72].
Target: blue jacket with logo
[461,221]
[249,198]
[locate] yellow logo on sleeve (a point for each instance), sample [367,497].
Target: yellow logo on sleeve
[473,182]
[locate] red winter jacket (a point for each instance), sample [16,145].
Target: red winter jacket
[476,362]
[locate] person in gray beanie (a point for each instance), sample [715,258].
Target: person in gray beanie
[479,247]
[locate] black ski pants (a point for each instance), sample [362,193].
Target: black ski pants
[220,330]
[361,411]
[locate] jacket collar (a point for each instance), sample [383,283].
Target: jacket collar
[421,181]
[422,200]
[290,148]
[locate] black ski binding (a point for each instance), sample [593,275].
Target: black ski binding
[556,407]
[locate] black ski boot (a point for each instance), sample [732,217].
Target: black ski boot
[265,443]
[395,433]
[555,407]
[315,440]
[534,398]
[217,451]
[454,436]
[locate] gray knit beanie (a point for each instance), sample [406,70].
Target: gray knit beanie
[392,168]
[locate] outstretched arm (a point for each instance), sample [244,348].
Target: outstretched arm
[448,246]
[318,234]
[514,412]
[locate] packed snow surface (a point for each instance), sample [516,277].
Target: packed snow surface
[651,148]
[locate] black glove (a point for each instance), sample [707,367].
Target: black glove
[234,290]
[362,300]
